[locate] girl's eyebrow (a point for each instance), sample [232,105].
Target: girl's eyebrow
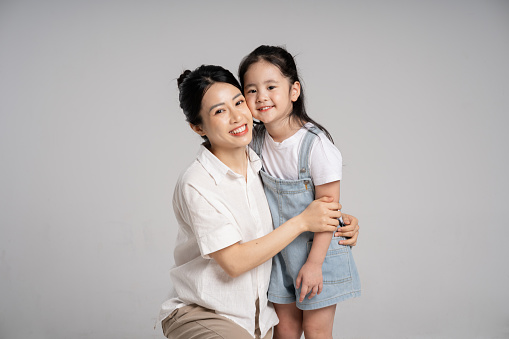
[222,103]
[265,82]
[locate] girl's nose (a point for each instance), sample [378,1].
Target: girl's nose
[261,96]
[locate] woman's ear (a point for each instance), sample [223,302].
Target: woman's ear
[295,91]
[197,129]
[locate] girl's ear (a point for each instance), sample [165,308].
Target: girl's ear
[197,129]
[295,91]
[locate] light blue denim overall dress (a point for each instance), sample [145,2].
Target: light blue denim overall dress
[288,198]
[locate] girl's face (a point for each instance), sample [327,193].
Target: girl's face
[269,94]
[226,119]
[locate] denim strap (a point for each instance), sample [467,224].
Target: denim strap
[305,149]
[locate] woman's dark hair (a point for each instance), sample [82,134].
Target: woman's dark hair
[279,57]
[194,84]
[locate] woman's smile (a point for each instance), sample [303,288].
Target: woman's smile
[240,131]
[226,119]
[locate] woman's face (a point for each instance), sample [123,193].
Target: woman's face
[226,119]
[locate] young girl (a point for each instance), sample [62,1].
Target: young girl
[300,164]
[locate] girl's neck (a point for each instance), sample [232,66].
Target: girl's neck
[281,130]
[235,159]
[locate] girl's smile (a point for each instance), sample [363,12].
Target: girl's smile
[264,108]
[268,92]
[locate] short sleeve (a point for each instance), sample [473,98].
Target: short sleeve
[325,161]
[212,228]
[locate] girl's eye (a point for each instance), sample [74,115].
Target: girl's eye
[251,91]
[271,87]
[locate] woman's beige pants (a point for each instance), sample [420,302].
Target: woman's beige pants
[196,322]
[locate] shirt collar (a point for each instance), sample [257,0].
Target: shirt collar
[218,170]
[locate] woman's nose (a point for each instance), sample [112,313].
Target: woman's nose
[235,115]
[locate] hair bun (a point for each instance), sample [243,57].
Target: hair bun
[182,77]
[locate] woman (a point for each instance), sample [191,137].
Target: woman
[226,240]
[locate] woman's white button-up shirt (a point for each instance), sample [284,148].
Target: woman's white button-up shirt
[215,208]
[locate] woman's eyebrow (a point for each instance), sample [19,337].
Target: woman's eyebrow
[216,105]
[222,103]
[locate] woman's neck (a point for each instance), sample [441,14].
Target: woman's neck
[281,130]
[235,159]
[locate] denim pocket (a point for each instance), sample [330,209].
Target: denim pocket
[335,248]
[336,266]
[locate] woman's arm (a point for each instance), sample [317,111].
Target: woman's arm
[310,275]
[320,216]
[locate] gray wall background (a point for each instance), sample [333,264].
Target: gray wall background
[92,140]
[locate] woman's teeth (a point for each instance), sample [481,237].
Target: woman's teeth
[239,130]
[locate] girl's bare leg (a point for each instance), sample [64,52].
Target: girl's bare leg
[317,324]
[290,322]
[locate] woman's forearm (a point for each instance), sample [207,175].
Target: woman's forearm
[320,216]
[240,258]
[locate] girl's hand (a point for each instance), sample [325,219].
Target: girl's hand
[350,230]
[310,275]
[321,215]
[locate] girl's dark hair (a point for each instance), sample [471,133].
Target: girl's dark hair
[279,57]
[194,84]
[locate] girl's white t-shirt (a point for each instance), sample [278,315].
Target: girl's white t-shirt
[281,159]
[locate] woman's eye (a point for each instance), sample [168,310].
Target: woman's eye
[240,102]
[219,111]
[271,87]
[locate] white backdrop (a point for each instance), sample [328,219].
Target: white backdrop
[415,94]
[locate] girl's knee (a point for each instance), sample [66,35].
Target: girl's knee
[318,323]
[285,331]
[290,322]
[316,330]
[288,328]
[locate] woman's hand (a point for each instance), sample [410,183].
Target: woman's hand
[350,230]
[321,215]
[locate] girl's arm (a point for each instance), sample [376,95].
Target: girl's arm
[319,216]
[310,275]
